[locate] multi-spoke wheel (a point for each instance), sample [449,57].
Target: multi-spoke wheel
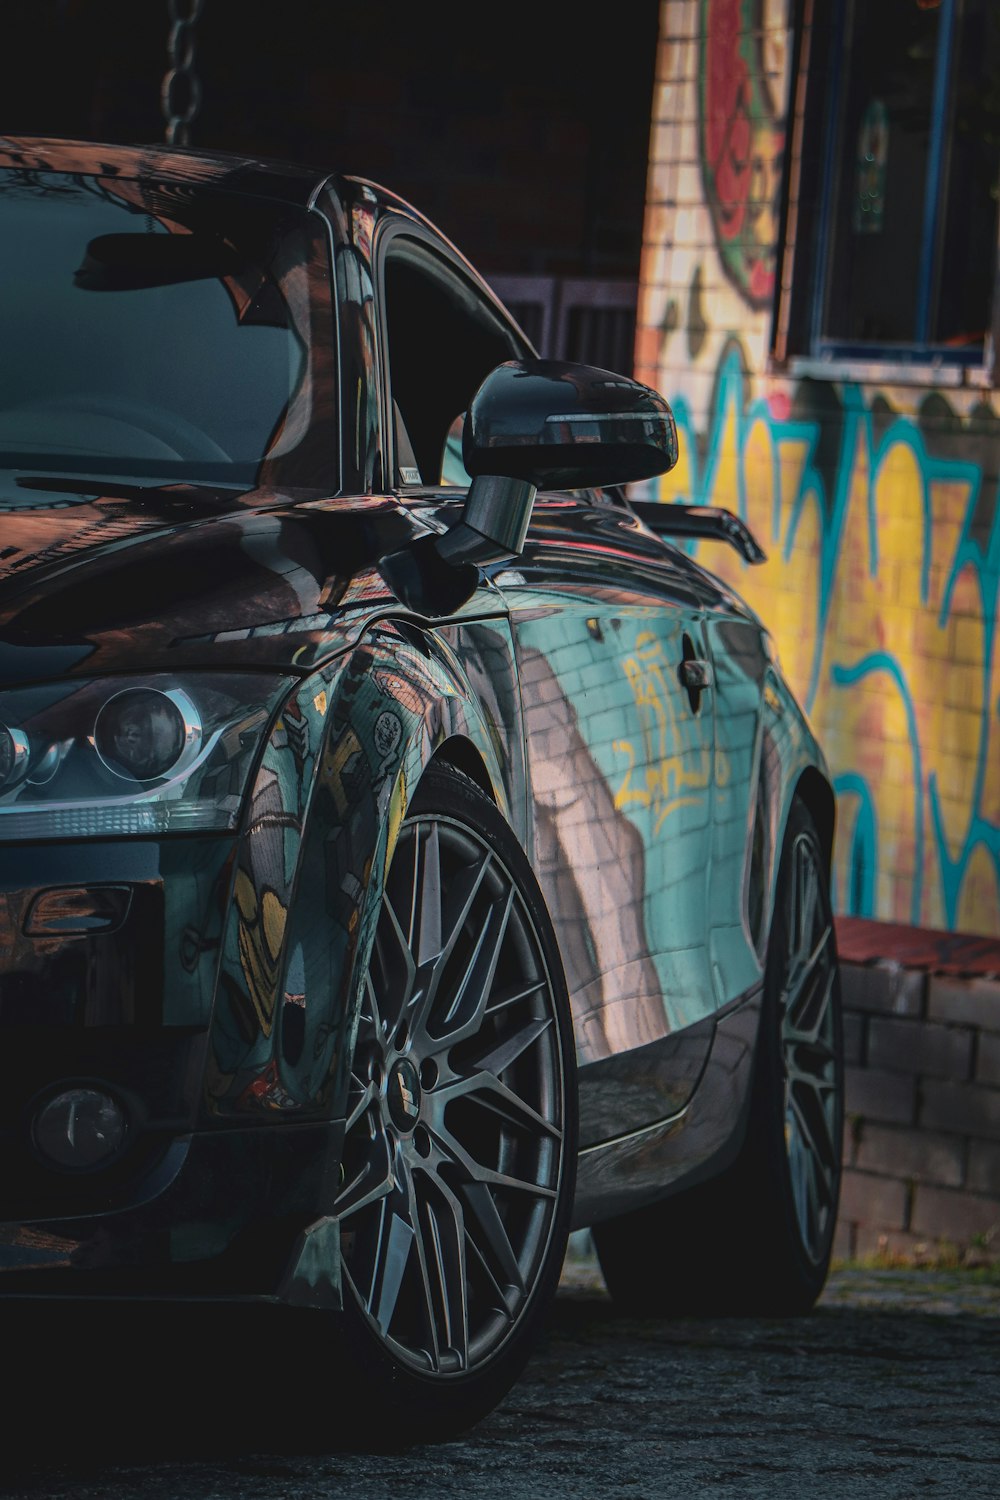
[757,1238]
[810,1071]
[459,1155]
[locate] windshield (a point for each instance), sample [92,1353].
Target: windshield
[157,333]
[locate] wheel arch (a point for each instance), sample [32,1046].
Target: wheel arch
[818,796]
[342,764]
[460,751]
[792,763]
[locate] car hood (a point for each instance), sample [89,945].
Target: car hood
[180,576]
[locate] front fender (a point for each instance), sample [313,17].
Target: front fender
[333,787]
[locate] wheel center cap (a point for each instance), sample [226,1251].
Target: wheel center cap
[403,1095]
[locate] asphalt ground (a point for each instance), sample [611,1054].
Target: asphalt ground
[889,1390]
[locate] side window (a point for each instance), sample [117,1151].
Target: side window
[452,468]
[443,336]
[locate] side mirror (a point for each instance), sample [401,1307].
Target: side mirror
[545,424]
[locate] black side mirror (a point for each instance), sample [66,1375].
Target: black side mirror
[567,427]
[545,424]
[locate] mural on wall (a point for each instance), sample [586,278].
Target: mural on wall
[878,503]
[742,135]
[881,590]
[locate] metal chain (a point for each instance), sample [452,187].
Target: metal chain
[180,92]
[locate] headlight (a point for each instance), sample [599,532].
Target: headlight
[14,756]
[143,734]
[130,755]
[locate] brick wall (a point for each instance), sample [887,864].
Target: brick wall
[922,1126]
[874,489]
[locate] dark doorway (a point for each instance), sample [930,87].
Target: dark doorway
[522,129]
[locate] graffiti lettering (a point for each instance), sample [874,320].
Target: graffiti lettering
[882,594]
[669,785]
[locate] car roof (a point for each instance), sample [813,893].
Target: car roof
[224,170]
[252,176]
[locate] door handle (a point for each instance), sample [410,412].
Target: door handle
[696,675]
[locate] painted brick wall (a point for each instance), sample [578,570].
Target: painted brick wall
[876,502]
[922,1131]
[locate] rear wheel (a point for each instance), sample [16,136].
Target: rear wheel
[758,1237]
[460,1150]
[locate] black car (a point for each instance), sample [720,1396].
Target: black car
[408,852]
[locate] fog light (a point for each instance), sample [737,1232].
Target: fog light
[80,1128]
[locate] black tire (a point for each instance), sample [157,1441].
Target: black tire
[758,1237]
[460,1153]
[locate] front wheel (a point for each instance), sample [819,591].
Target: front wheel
[460,1149]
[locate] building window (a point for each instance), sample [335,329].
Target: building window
[894,195]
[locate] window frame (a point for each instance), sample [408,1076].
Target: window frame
[797,344]
[407,241]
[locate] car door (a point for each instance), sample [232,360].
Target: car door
[605,619]
[609,627]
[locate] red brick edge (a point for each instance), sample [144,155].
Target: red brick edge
[961,954]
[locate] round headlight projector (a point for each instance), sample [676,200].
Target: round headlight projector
[143,734]
[80,1128]
[14,757]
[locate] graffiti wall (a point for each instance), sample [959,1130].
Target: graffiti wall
[876,502]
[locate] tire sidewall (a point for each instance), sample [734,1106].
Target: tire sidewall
[426,1408]
[767,1132]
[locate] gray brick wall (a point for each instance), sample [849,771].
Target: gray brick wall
[922,1121]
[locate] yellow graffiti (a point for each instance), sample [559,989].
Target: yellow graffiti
[661,782]
[245,896]
[336,758]
[881,610]
[273,917]
[665,779]
[397,812]
[260,932]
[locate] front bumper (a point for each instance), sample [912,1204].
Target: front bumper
[118,992]
[221,1214]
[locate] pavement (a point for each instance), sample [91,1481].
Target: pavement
[888,1390]
[931,1290]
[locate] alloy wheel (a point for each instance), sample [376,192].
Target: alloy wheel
[454,1144]
[809,1048]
